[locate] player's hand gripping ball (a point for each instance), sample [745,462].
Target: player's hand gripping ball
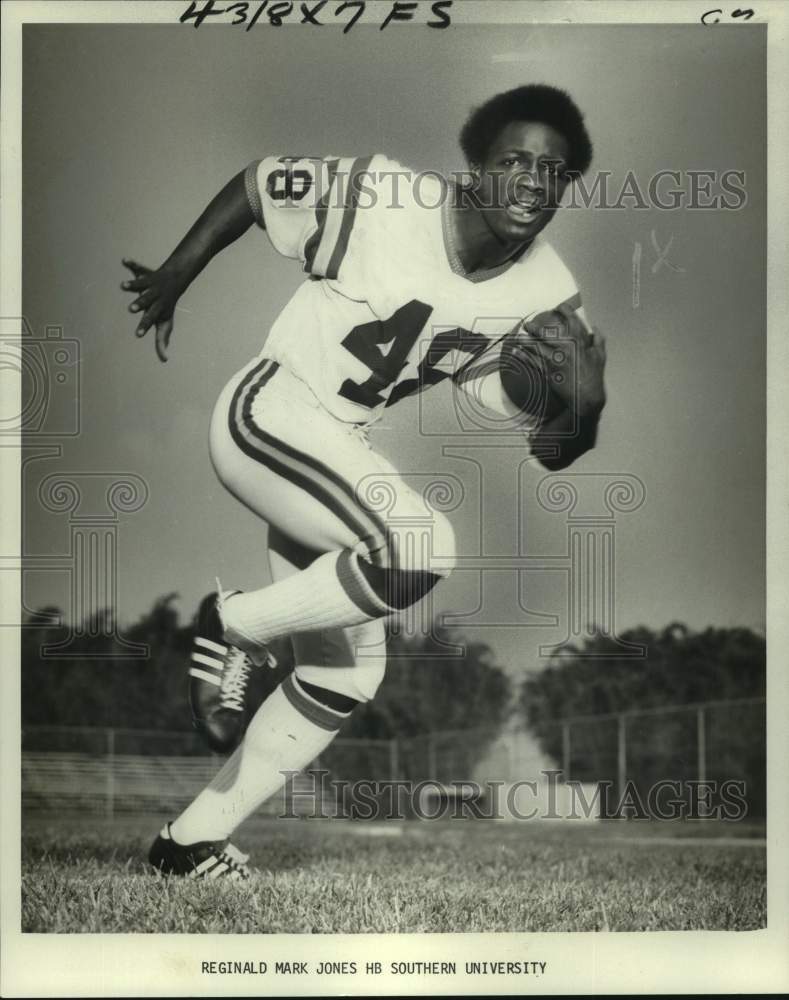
[554,363]
[532,356]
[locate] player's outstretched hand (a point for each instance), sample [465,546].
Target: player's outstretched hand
[575,374]
[157,293]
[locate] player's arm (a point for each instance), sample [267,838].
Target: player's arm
[581,386]
[227,217]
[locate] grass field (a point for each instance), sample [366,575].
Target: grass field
[336,876]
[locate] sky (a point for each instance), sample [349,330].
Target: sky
[129,131]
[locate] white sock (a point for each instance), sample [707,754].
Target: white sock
[288,731]
[331,593]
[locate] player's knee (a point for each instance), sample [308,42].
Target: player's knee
[367,675]
[352,660]
[359,682]
[367,647]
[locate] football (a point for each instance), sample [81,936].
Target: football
[523,370]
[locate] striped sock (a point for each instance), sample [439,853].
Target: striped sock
[289,730]
[331,593]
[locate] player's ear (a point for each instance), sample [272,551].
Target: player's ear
[475,170]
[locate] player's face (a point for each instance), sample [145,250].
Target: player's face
[522,179]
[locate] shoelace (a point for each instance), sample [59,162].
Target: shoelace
[234,679]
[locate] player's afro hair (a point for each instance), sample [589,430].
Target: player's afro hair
[536,102]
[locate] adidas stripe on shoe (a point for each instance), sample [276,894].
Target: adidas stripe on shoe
[203,860]
[219,675]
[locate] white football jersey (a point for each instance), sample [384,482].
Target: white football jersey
[383,315]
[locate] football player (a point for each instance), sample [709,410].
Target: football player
[411,281]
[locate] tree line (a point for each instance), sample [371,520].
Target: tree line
[679,667]
[433,682]
[442,681]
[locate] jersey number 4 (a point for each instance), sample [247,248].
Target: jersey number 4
[384,345]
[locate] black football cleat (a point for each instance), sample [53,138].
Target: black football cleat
[204,860]
[219,676]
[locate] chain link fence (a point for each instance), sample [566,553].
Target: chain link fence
[126,770]
[712,743]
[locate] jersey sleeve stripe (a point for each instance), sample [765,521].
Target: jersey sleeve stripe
[360,167]
[253,192]
[332,222]
[321,213]
[327,252]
